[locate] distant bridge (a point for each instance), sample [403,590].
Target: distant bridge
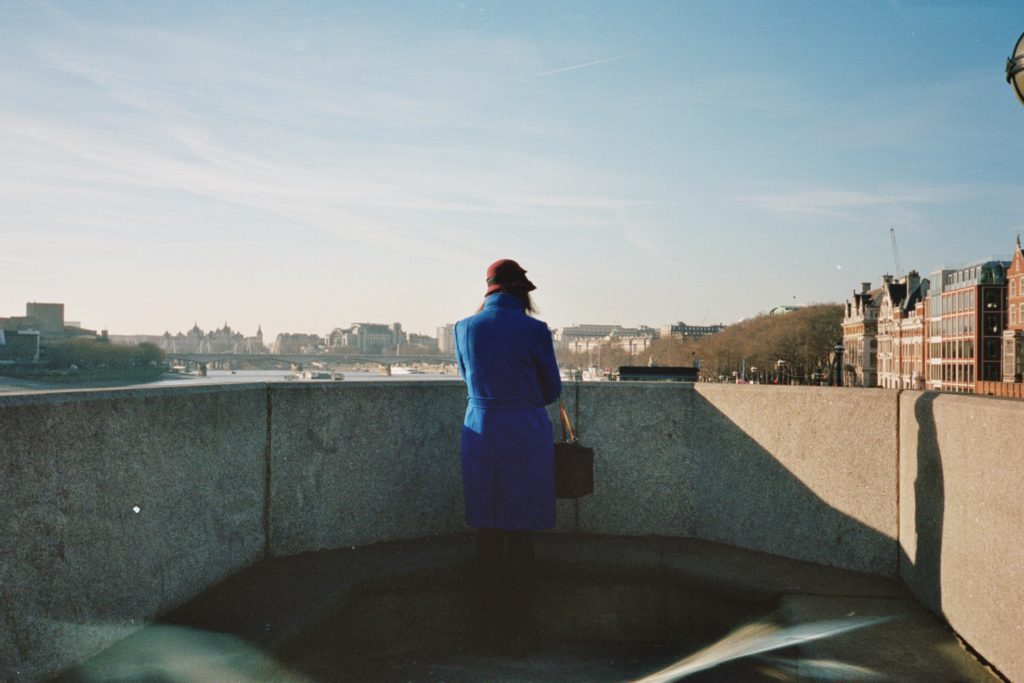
[327,359]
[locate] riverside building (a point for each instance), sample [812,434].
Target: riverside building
[973,311]
[860,342]
[681,330]
[945,333]
[1013,336]
[900,339]
[583,338]
[370,338]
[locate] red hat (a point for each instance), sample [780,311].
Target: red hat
[507,273]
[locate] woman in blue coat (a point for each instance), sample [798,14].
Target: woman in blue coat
[508,362]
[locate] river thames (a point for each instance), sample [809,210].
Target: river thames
[10,385]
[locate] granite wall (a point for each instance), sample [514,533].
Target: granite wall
[805,472]
[962,517]
[364,462]
[116,505]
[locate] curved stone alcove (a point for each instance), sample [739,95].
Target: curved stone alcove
[120,506]
[598,609]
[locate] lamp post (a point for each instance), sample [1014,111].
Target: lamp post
[837,365]
[1015,69]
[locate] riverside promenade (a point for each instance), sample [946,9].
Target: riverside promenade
[122,506]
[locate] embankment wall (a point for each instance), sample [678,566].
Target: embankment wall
[962,517]
[223,475]
[117,505]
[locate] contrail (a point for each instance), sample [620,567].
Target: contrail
[599,61]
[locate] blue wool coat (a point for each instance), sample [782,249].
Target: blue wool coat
[508,362]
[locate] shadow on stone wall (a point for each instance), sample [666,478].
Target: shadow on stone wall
[748,496]
[777,470]
[923,571]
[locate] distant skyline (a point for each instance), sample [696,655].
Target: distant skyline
[306,165]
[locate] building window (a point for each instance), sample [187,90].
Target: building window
[992,323]
[990,372]
[992,349]
[1013,316]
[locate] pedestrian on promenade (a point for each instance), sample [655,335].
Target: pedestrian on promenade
[508,362]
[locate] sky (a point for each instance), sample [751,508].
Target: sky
[306,165]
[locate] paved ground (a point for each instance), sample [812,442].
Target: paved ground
[598,609]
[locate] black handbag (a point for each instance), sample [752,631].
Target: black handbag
[574,464]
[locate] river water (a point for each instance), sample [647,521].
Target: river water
[227,377]
[8,385]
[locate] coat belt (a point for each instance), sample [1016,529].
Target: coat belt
[498,403]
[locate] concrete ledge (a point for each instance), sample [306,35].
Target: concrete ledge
[365,462]
[808,473]
[805,472]
[115,506]
[221,472]
[962,519]
[645,465]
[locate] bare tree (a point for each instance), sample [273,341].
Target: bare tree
[802,340]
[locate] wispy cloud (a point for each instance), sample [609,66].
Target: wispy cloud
[846,203]
[170,125]
[20,261]
[593,63]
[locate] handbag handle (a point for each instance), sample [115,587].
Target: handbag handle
[566,424]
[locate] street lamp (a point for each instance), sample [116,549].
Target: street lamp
[1015,69]
[837,367]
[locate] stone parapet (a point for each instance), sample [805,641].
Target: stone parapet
[116,506]
[803,472]
[364,462]
[962,519]
[921,486]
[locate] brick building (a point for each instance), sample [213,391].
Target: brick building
[949,332]
[1013,336]
[973,314]
[860,343]
[901,332]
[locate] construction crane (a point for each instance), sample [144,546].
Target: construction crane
[896,253]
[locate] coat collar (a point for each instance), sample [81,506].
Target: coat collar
[503,300]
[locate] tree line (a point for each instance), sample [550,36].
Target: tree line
[794,347]
[89,353]
[784,348]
